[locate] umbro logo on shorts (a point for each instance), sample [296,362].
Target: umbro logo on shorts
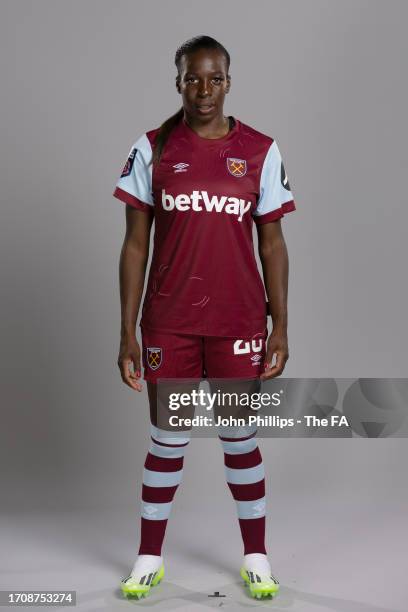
[154,357]
[200,200]
[246,347]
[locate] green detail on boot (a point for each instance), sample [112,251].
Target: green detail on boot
[131,588]
[259,588]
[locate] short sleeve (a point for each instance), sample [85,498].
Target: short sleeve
[134,186]
[275,197]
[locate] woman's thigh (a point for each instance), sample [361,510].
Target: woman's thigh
[160,402]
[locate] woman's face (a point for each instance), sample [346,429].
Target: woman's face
[203,83]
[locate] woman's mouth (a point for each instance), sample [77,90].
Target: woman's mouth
[204,109]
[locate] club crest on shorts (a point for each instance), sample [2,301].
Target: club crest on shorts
[127,168]
[236,167]
[154,357]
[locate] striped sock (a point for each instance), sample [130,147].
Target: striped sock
[162,474]
[245,475]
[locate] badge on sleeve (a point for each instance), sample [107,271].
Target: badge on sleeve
[284,178]
[127,168]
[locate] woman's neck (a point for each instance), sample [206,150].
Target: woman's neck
[216,128]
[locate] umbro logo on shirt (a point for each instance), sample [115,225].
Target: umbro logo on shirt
[199,200]
[181,167]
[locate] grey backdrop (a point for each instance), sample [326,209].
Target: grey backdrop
[80,82]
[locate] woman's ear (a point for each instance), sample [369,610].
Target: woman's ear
[228,86]
[178,84]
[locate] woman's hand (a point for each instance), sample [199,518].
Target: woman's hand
[129,353]
[277,344]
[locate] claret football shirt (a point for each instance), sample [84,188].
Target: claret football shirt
[205,195]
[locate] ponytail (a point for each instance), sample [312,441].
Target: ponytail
[164,134]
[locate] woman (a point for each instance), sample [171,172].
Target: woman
[204,178]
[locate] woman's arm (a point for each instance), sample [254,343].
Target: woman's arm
[132,268]
[275,266]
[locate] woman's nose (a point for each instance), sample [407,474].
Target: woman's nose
[204,88]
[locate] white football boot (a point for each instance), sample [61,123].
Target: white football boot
[148,571]
[257,574]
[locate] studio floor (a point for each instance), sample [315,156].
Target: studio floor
[329,555]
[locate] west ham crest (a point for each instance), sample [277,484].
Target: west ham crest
[154,357]
[236,167]
[127,169]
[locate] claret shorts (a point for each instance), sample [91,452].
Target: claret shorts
[168,355]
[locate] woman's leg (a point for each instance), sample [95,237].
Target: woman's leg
[245,477]
[163,470]
[177,358]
